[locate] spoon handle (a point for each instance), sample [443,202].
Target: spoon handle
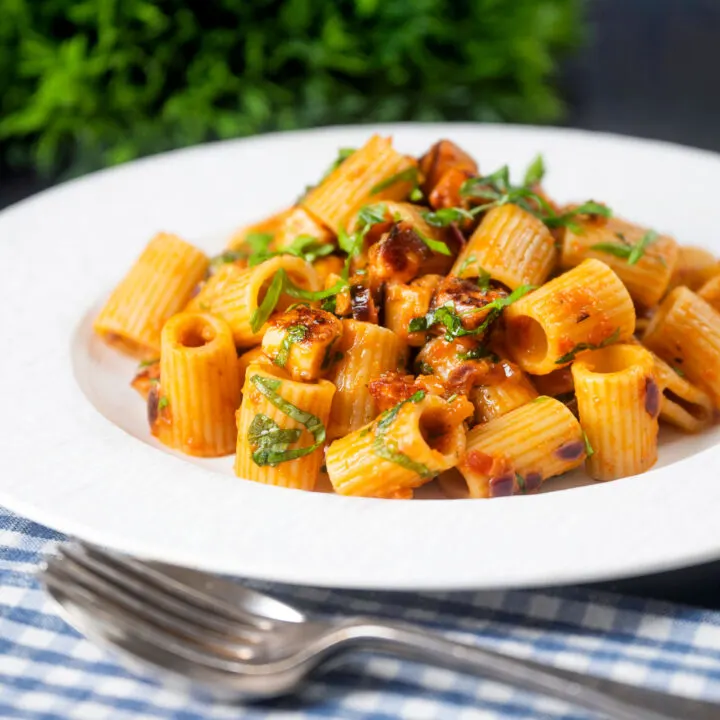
[610,698]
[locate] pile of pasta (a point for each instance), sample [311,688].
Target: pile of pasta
[411,319]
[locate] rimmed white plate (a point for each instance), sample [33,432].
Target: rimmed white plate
[75,452]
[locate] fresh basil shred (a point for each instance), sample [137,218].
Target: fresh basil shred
[281,283]
[294,334]
[588,447]
[582,347]
[388,449]
[409,175]
[271,441]
[631,253]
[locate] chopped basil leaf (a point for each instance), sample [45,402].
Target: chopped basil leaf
[274,455]
[388,417]
[535,172]
[447,216]
[163,403]
[465,264]
[447,316]
[408,175]
[520,482]
[294,334]
[148,363]
[329,305]
[588,447]
[435,245]
[262,313]
[478,353]
[416,195]
[541,398]
[342,156]
[281,283]
[352,244]
[581,347]
[229,256]
[271,441]
[678,370]
[258,243]
[388,450]
[306,247]
[454,396]
[426,368]
[483,279]
[627,251]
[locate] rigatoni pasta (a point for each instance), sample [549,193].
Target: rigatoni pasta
[413,321]
[366,351]
[192,409]
[619,397]
[587,307]
[512,246]
[359,180]
[685,332]
[646,276]
[281,428]
[157,286]
[516,452]
[236,293]
[404,448]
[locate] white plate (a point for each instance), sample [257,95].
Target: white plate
[75,452]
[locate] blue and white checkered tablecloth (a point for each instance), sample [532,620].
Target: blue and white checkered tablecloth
[48,671]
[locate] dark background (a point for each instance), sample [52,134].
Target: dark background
[649,68]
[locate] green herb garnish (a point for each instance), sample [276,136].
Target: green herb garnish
[306,247]
[352,244]
[408,175]
[588,447]
[520,482]
[148,363]
[626,250]
[582,347]
[388,450]
[478,353]
[426,368]
[281,283]
[447,216]
[342,156]
[294,334]
[163,402]
[447,316]
[535,171]
[227,257]
[465,264]
[276,449]
[678,370]
[484,279]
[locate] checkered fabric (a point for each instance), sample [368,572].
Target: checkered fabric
[48,671]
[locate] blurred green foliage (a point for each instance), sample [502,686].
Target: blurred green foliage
[85,83]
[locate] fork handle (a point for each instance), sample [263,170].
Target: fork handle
[610,698]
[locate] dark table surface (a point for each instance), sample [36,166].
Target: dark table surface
[650,69]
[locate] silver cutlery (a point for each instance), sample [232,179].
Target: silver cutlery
[240,644]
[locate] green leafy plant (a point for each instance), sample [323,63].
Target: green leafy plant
[86,83]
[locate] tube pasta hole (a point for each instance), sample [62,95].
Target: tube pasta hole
[528,337]
[691,408]
[196,335]
[435,431]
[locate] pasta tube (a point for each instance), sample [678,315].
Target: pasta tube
[510,244]
[619,398]
[683,404]
[585,308]
[516,452]
[368,351]
[302,340]
[158,285]
[281,427]
[248,358]
[404,302]
[513,390]
[710,292]
[193,408]
[401,450]
[646,275]
[359,180]
[685,332]
[694,267]
[235,294]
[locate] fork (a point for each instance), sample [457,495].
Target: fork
[241,644]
